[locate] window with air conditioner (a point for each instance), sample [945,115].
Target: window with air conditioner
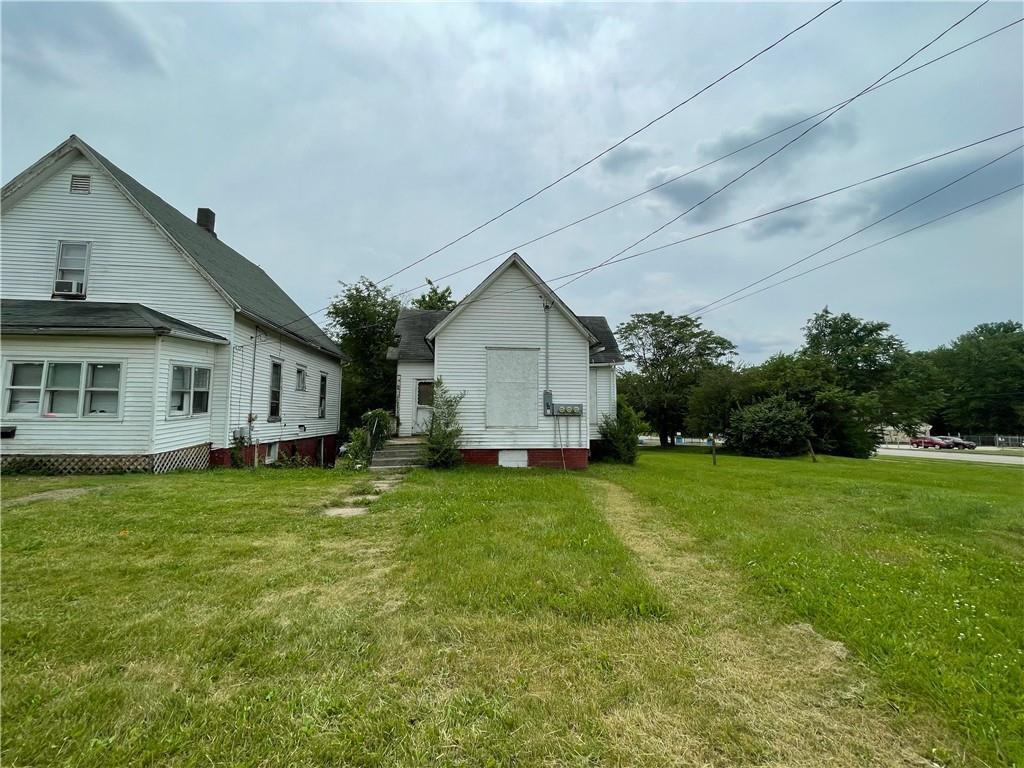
[72,270]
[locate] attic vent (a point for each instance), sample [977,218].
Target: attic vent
[80,185]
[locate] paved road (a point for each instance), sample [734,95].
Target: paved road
[951,455]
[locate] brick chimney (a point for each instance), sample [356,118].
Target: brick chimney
[205,219]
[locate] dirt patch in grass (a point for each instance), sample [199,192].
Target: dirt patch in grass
[57,494]
[767,692]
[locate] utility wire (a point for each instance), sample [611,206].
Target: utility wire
[758,141]
[701,167]
[859,231]
[788,144]
[865,248]
[617,144]
[786,207]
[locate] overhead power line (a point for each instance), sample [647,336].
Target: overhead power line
[701,167]
[758,141]
[785,146]
[865,248]
[786,207]
[859,231]
[614,146]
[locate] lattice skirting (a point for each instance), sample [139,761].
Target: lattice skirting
[192,457]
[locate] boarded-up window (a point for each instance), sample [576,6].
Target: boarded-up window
[425,393]
[512,395]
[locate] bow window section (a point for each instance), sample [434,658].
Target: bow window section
[190,391]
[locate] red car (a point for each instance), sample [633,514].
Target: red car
[930,442]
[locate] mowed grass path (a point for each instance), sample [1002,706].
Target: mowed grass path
[482,617]
[916,566]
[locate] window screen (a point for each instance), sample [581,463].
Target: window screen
[425,393]
[512,394]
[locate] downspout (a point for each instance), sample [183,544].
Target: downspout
[252,389]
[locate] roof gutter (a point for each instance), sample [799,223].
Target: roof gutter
[290,334]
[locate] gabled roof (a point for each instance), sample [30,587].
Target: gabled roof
[251,290]
[411,330]
[607,348]
[514,260]
[415,328]
[105,318]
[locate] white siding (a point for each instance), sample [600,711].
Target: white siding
[511,314]
[170,432]
[130,260]
[409,373]
[297,408]
[602,395]
[130,432]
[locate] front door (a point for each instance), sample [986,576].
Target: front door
[424,405]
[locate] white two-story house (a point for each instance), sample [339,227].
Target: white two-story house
[133,339]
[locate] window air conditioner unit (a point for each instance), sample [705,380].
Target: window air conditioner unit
[69,287]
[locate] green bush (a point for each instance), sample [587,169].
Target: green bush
[773,427]
[620,436]
[441,448]
[357,454]
[377,424]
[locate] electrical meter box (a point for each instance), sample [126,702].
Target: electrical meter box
[568,409]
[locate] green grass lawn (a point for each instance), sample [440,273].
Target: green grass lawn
[918,567]
[755,613]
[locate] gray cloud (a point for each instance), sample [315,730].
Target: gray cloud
[50,42]
[628,157]
[779,224]
[676,197]
[837,133]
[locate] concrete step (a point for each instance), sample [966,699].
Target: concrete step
[390,467]
[396,461]
[402,450]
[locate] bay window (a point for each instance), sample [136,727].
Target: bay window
[55,388]
[189,391]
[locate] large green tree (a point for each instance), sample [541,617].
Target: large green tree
[669,354]
[361,320]
[434,298]
[982,373]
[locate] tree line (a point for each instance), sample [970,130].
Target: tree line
[850,377]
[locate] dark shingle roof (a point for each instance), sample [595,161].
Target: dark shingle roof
[42,316]
[413,325]
[412,328]
[598,326]
[248,285]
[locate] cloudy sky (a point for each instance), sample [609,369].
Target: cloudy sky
[335,141]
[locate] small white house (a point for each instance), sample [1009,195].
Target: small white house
[134,339]
[536,377]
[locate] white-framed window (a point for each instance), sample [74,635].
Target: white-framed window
[274,410]
[63,390]
[102,389]
[322,407]
[72,269]
[300,378]
[189,390]
[512,394]
[59,388]
[23,388]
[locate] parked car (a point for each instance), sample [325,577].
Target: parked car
[930,442]
[963,445]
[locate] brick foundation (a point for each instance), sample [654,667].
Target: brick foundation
[306,447]
[575,458]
